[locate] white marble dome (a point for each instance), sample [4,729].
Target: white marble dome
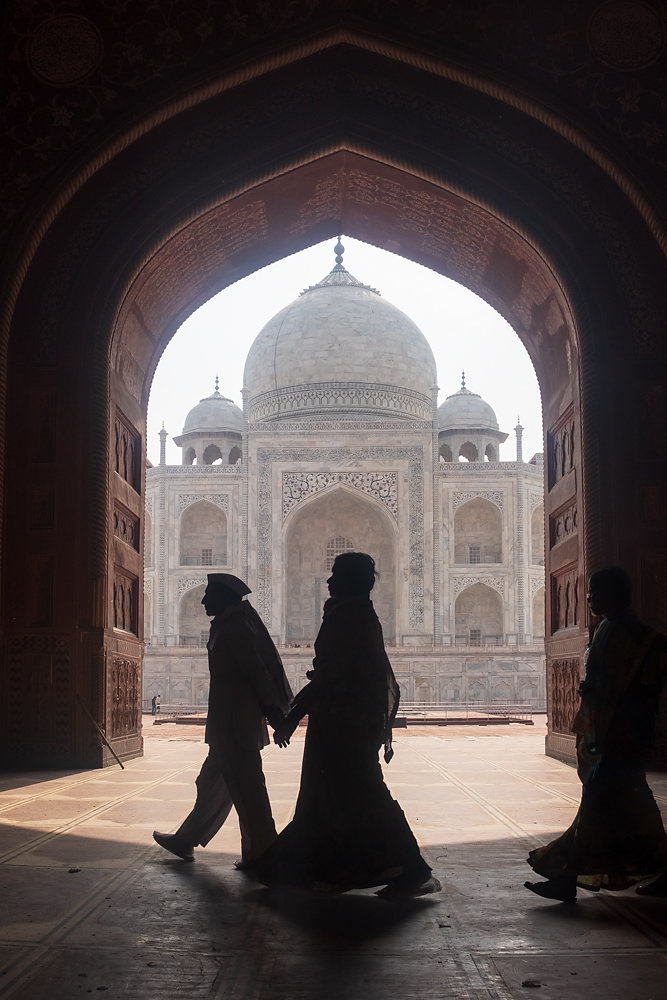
[213,414]
[465,410]
[340,350]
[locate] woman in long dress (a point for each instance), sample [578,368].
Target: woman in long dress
[347,832]
[617,838]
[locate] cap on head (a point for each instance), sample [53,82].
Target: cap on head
[230,581]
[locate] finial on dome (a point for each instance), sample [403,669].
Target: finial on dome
[463,379]
[339,250]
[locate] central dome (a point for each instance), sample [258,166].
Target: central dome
[340,350]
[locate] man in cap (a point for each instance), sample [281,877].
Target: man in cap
[248,686]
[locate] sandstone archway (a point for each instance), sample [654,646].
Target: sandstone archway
[514,205]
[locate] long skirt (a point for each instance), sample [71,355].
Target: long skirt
[617,838]
[347,832]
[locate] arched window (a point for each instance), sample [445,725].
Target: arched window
[335,547]
[468,452]
[235,456]
[190,457]
[491,454]
[445,453]
[212,455]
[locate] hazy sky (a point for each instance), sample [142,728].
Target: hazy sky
[464,333]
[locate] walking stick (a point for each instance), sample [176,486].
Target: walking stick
[100,731]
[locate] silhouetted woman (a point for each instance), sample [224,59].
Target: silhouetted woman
[347,832]
[617,838]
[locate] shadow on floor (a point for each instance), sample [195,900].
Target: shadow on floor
[351,917]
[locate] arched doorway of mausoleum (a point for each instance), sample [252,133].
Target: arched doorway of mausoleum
[337,520]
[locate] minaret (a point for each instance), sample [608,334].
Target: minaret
[163,446]
[518,430]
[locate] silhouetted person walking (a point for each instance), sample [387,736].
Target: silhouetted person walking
[248,685]
[617,838]
[347,832]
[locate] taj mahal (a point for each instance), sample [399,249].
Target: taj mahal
[340,444]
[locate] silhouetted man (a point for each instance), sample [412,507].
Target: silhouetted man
[248,685]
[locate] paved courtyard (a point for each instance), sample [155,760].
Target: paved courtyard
[90,904]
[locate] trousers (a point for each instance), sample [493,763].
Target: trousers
[226,780]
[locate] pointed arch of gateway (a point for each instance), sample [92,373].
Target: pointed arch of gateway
[515,205]
[344,513]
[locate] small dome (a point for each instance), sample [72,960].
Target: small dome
[465,410]
[340,348]
[214,414]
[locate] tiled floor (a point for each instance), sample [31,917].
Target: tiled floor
[89,904]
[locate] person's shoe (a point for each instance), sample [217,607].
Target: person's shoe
[562,890]
[243,865]
[408,890]
[174,845]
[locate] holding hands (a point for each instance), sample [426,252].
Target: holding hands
[283,731]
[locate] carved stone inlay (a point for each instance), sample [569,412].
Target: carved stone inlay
[320,423]
[563,525]
[472,468]
[565,680]
[149,506]
[189,584]
[125,692]
[205,470]
[339,396]
[332,457]
[125,605]
[560,449]
[463,582]
[148,588]
[535,584]
[39,694]
[298,486]
[126,526]
[565,599]
[626,35]
[64,50]
[534,501]
[220,500]
[463,496]
[127,451]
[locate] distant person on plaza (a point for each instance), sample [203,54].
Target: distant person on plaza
[157,704]
[248,685]
[347,832]
[617,838]
[154,704]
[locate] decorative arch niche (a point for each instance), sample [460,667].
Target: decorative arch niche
[337,513]
[478,614]
[203,535]
[193,624]
[478,532]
